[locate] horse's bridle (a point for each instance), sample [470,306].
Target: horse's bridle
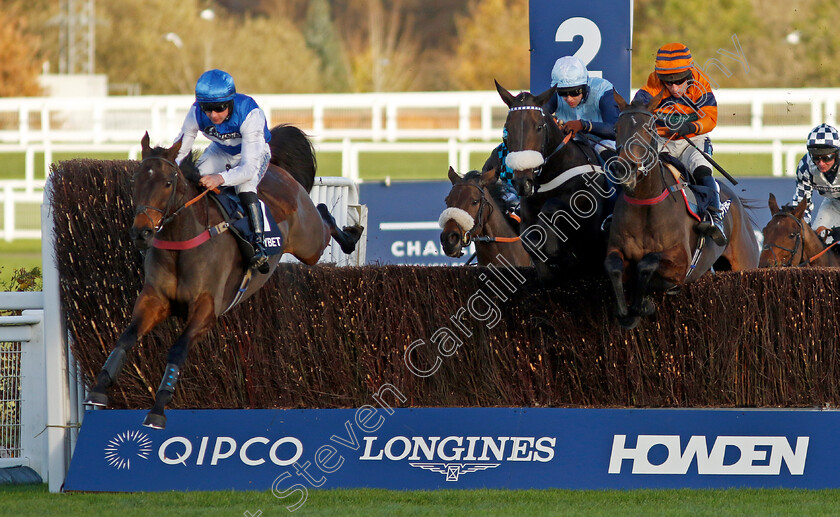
[470,235]
[797,244]
[652,147]
[544,144]
[164,218]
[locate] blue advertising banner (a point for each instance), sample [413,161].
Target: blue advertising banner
[289,451]
[403,228]
[403,223]
[598,32]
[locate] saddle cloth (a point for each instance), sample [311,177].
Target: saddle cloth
[235,215]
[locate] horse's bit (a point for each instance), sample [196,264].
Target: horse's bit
[797,243]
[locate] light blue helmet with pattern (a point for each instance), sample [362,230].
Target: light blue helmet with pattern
[569,72]
[215,86]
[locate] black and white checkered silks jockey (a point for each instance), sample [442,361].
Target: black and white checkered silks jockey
[818,171]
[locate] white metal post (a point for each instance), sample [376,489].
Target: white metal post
[55,356]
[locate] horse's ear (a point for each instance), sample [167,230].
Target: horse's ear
[800,208]
[488,177]
[176,147]
[453,176]
[144,144]
[544,96]
[773,205]
[622,104]
[506,95]
[654,102]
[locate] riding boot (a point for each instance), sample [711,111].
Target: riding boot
[260,259]
[714,226]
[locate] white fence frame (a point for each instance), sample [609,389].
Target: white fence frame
[123,119]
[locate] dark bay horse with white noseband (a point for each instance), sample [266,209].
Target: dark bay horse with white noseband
[206,275]
[789,241]
[565,194]
[473,215]
[652,242]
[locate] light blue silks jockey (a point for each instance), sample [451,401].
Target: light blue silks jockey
[597,111]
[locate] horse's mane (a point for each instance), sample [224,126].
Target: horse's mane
[189,169]
[496,189]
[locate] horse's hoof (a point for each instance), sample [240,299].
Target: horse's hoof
[628,322]
[155,421]
[648,307]
[96,399]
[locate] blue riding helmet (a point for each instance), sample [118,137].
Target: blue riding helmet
[215,86]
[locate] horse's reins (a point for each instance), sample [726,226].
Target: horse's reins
[798,242]
[469,235]
[643,169]
[166,219]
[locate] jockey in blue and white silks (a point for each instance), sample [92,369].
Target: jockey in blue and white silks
[238,154]
[818,171]
[584,104]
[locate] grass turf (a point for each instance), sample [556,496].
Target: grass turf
[35,500]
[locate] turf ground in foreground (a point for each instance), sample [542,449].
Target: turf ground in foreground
[35,500]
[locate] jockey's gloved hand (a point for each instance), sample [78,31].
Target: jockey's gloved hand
[685,129]
[575,126]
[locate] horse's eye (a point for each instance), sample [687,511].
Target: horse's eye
[168,184]
[793,235]
[475,201]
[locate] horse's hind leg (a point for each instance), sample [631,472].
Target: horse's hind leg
[149,310]
[346,237]
[201,319]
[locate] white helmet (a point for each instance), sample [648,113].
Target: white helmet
[569,72]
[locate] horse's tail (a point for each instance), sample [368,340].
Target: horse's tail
[291,150]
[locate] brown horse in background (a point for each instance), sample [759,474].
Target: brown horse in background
[789,241]
[473,215]
[652,242]
[208,275]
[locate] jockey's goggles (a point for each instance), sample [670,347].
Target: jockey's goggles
[675,82]
[570,92]
[825,158]
[215,107]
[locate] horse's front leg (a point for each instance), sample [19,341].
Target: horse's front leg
[200,320]
[614,265]
[646,267]
[149,310]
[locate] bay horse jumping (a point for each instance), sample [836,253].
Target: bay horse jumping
[207,275]
[565,196]
[790,241]
[652,241]
[473,215]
